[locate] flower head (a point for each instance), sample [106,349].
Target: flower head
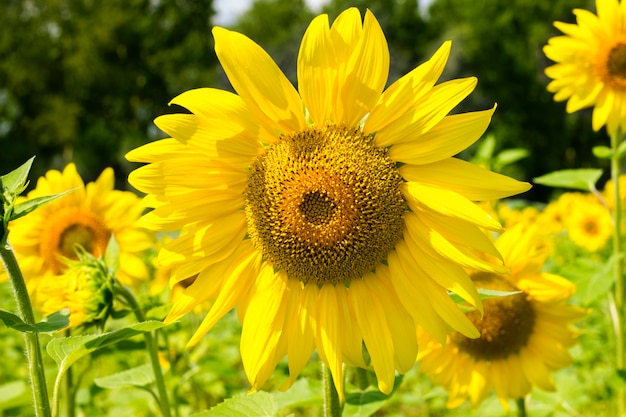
[331,216]
[523,336]
[590,67]
[85,288]
[86,217]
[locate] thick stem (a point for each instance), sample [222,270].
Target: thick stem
[70,388]
[151,345]
[616,138]
[332,406]
[31,340]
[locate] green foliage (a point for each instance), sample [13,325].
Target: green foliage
[500,42]
[139,376]
[82,81]
[259,404]
[51,323]
[577,179]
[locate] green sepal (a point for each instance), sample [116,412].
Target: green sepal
[602,152]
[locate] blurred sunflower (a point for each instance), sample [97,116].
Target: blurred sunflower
[88,216]
[589,225]
[523,337]
[331,216]
[590,67]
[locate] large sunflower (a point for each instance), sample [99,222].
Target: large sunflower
[330,216]
[590,67]
[523,337]
[87,216]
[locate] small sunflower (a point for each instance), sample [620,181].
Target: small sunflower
[589,225]
[590,67]
[523,337]
[88,217]
[330,217]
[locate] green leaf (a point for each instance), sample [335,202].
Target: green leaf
[486,148]
[510,156]
[14,394]
[599,283]
[258,404]
[139,376]
[49,324]
[364,403]
[66,351]
[22,209]
[602,152]
[578,179]
[303,393]
[15,181]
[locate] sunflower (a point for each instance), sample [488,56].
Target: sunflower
[590,67]
[87,216]
[589,225]
[330,217]
[523,337]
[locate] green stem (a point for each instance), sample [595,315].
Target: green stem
[616,138]
[332,406]
[521,407]
[31,340]
[151,345]
[70,388]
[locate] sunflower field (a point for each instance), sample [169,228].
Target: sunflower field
[313,213]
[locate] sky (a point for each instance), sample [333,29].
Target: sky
[227,11]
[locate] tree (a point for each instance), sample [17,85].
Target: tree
[82,80]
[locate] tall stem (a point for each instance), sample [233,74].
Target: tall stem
[70,388]
[31,340]
[332,406]
[151,345]
[616,139]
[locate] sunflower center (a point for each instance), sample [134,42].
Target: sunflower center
[68,229]
[324,204]
[616,66]
[506,325]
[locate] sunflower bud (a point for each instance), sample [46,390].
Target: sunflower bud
[85,288]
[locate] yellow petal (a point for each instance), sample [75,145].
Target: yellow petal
[372,320]
[426,114]
[535,370]
[259,82]
[301,342]
[263,326]
[407,90]
[317,71]
[365,74]
[331,301]
[471,181]
[400,322]
[407,284]
[237,281]
[423,197]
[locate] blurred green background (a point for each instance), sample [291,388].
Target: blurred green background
[82,80]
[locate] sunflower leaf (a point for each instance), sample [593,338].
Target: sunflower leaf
[22,209]
[139,376]
[258,404]
[16,181]
[509,156]
[621,149]
[602,152]
[66,351]
[577,179]
[49,324]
